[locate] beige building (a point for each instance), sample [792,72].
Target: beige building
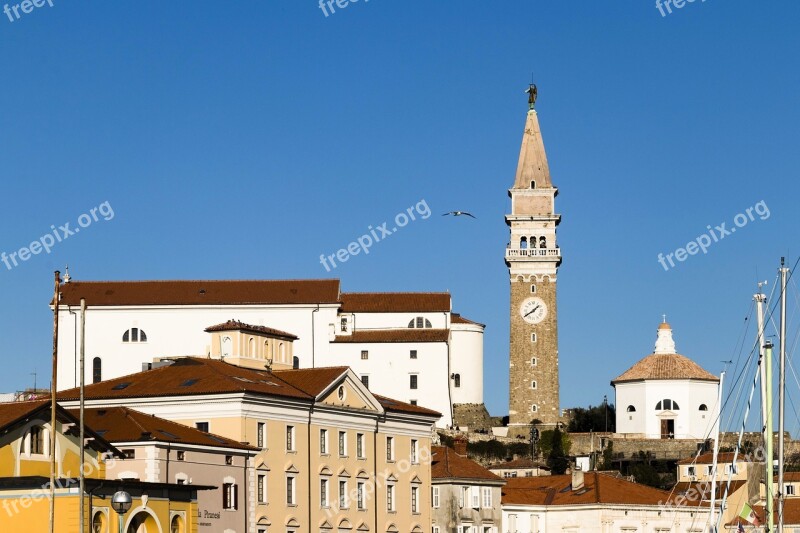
[465,495]
[519,467]
[156,450]
[334,457]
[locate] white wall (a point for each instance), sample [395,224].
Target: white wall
[466,359]
[690,422]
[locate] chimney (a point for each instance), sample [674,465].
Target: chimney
[460,447]
[577,478]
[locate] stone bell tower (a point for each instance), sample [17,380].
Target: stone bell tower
[533,258]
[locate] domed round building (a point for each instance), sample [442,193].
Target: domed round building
[667,395]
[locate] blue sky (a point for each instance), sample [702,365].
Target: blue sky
[285,133]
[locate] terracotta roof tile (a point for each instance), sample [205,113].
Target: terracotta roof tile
[198,292]
[121,424]
[395,335]
[447,464]
[397,406]
[456,318]
[708,458]
[665,366]
[13,412]
[598,488]
[236,325]
[689,491]
[395,302]
[312,381]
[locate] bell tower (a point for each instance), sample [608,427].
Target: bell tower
[533,258]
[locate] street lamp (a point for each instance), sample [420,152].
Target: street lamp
[121,502]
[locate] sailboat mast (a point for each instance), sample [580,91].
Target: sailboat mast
[765,372]
[782,395]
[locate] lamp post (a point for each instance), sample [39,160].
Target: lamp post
[121,502]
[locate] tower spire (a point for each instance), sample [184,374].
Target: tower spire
[532,167]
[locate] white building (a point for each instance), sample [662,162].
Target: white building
[593,502]
[667,395]
[408,346]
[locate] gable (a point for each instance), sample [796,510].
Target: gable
[348,391]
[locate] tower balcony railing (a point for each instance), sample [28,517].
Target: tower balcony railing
[533,253]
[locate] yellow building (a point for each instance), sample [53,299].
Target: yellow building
[25,434]
[334,456]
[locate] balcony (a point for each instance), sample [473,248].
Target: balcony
[534,254]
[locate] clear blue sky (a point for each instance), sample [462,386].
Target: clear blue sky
[244,139]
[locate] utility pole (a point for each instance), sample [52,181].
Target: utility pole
[82,429]
[605,409]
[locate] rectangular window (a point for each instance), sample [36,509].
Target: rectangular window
[260,435]
[230,496]
[435,529]
[289,438]
[360,495]
[262,486]
[461,494]
[414,499]
[390,497]
[344,324]
[365,381]
[360,446]
[690,471]
[487,497]
[229,460]
[413,354]
[390,448]
[180,454]
[202,426]
[323,492]
[790,490]
[476,498]
[435,497]
[414,381]
[342,494]
[323,441]
[364,354]
[290,500]
[342,444]
[414,450]
[412,402]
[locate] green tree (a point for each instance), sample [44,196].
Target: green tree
[608,457]
[557,460]
[595,418]
[646,474]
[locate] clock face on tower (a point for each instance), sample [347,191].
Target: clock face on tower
[533,310]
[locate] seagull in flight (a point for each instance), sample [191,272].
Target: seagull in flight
[459,213]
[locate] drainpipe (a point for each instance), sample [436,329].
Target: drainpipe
[75,349]
[308,468]
[246,499]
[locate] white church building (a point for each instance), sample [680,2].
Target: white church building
[408,346]
[667,395]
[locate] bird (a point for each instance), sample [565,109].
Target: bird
[459,213]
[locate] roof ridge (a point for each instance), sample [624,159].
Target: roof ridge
[129,415]
[98,282]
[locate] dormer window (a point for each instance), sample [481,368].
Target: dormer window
[134,335]
[420,322]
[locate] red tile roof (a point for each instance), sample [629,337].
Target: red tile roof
[447,464]
[394,336]
[395,302]
[190,376]
[708,458]
[665,366]
[236,325]
[198,292]
[456,318]
[699,493]
[791,514]
[402,407]
[121,424]
[598,488]
[13,412]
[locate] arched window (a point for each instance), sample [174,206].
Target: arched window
[225,349]
[97,370]
[534,408]
[703,407]
[134,335]
[533,184]
[251,345]
[523,243]
[282,352]
[667,405]
[176,525]
[295,362]
[99,524]
[631,409]
[457,380]
[533,384]
[542,242]
[419,323]
[37,440]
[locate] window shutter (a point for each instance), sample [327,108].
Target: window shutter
[476,497]
[235,496]
[225,496]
